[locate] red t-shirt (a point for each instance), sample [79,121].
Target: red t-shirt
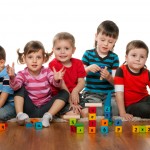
[134,84]
[71,74]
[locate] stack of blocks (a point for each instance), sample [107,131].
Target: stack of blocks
[118,125]
[76,127]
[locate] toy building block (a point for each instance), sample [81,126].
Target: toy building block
[71,116]
[92,123]
[38,125]
[142,129]
[79,127]
[118,129]
[34,120]
[147,128]
[118,122]
[92,129]
[92,110]
[93,104]
[72,121]
[92,116]
[108,115]
[104,122]
[73,128]
[104,129]
[107,108]
[135,129]
[2,126]
[29,125]
[108,100]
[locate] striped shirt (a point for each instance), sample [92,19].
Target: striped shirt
[38,88]
[93,82]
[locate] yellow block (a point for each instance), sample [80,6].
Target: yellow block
[147,128]
[118,129]
[135,129]
[92,116]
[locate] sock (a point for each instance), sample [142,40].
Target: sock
[22,118]
[47,117]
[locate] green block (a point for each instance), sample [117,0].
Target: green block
[80,129]
[72,121]
[142,129]
[79,124]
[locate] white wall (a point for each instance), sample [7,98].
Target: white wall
[25,20]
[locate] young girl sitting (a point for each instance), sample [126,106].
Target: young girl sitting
[33,96]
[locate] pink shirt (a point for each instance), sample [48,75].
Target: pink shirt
[39,87]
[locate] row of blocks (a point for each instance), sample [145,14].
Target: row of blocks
[140,128]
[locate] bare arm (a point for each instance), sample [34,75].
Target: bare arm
[92,68]
[3,98]
[121,106]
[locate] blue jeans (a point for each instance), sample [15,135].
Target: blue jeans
[7,112]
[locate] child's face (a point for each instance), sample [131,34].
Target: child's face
[2,64]
[136,59]
[63,51]
[104,43]
[34,62]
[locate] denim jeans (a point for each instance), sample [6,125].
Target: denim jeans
[7,112]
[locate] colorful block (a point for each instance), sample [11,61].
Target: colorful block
[72,121]
[118,129]
[104,122]
[118,122]
[92,116]
[34,120]
[104,129]
[142,129]
[93,104]
[92,110]
[29,125]
[80,129]
[107,108]
[92,123]
[38,125]
[108,115]
[73,128]
[92,129]
[2,126]
[147,128]
[135,129]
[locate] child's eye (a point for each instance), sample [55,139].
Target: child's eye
[66,48]
[58,48]
[39,57]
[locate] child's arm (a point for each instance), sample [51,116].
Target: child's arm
[3,98]
[92,68]
[75,92]
[121,107]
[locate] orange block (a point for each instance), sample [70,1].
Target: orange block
[34,120]
[2,126]
[92,129]
[104,122]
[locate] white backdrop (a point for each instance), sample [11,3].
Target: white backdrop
[25,20]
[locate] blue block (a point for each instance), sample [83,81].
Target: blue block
[104,129]
[118,122]
[38,125]
[29,125]
[108,100]
[108,115]
[107,108]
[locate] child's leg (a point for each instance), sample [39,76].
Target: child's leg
[55,105]
[7,112]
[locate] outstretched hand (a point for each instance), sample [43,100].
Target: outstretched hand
[58,75]
[11,70]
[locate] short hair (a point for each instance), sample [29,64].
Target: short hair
[109,28]
[2,53]
[136,44]
[64,36]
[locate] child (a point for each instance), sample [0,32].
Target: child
[63,49]
[7,109]
[131,81]
[33,97]
[101,64]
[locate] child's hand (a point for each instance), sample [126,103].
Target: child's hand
[76,108]
[128,117]
[74,96]
[93,68]
[11,70]
[58,75]
[105,74]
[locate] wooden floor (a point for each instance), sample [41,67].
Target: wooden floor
[59,137]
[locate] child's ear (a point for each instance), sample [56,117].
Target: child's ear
[95,36]
[74,50]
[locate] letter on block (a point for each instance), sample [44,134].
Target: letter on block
[73,128]
[104,122]
[135,129]
[80,129]
[92,129]
[118,129]
[92,116]
[92,110]
[92,123]
[142,129]
[72,121]
[147,128]
[2,126]
[118,122]
[104,129]
[38,125]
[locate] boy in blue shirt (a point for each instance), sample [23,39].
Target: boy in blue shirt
[7,109]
